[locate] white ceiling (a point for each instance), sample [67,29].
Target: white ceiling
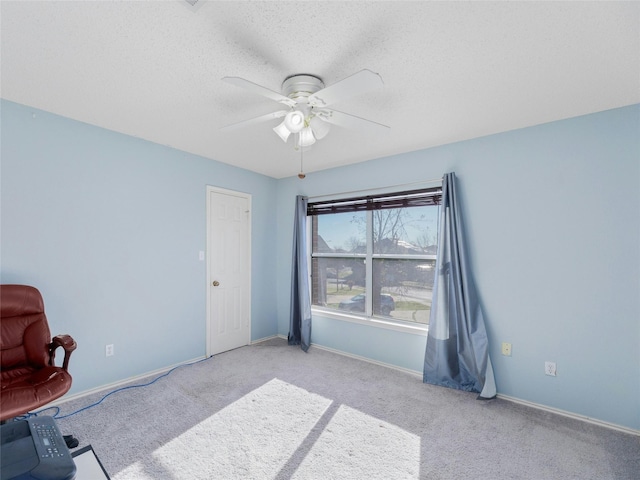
[452,70]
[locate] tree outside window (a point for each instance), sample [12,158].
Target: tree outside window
[376,263]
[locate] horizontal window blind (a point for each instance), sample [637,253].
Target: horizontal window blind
[411,198]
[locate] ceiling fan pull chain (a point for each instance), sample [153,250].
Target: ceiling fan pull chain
[301,175]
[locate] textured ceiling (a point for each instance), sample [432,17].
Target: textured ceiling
[452,70]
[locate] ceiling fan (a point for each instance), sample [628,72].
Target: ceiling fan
[309,114]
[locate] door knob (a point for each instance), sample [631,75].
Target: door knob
[216,283]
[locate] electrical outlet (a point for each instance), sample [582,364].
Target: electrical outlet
[108,350]
[550,368]
[506,349]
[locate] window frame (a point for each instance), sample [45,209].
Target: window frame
[367,317]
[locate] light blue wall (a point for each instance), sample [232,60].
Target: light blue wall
[109,227]
[552,216]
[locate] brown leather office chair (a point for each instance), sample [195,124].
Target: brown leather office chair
[30,378]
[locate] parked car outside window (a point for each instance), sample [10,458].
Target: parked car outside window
[357,304]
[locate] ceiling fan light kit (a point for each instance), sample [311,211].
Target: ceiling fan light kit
[282,131]
[294,121]
[320,127]
[309,117]
[305,138]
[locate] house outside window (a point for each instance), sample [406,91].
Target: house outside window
[374,256]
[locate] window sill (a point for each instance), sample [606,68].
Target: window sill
[415,329]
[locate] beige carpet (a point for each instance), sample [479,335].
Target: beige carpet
[270,411]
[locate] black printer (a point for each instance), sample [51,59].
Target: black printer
[34,449]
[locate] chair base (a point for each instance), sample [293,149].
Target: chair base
[71,441]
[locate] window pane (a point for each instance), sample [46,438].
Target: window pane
[337,280]
[402,289]
[342,232]
[410,231]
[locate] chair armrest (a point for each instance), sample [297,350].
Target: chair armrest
[67,343]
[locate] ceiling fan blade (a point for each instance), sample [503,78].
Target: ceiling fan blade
[360,82]
[253,121]
[350,121]
[259,89]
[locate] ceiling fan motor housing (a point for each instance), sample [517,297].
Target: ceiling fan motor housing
[300,87]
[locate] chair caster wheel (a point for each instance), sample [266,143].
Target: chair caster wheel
[71,441]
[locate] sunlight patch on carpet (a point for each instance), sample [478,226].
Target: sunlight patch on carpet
[357,445]
[254,437]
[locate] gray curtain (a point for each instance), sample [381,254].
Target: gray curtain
[300,316]
[457,353]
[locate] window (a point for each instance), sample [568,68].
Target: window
[375,256]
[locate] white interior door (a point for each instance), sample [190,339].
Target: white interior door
[228,270]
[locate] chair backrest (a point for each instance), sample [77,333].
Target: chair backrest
[24,331]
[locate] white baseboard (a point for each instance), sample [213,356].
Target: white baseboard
[538,406]
[118,384]
[368,360]
[260,340]
[575,416]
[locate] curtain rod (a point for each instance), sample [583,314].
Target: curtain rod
[377,190]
